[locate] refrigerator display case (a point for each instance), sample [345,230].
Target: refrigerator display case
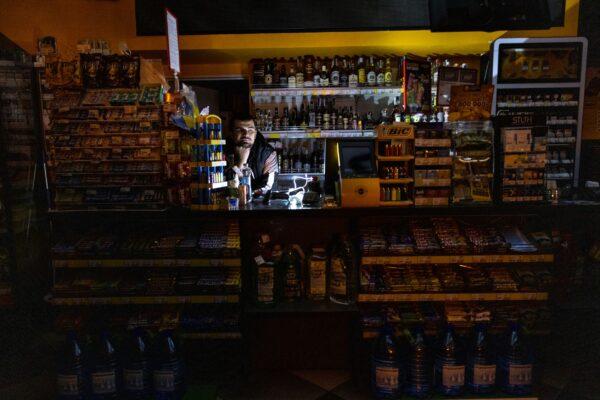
[545,77]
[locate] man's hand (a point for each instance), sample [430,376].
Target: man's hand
[242,154]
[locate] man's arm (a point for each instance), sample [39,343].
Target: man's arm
[270,168]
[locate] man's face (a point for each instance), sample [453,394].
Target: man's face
[244,133]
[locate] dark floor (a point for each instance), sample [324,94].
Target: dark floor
[570,369]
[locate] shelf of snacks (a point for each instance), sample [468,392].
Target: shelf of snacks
[147,263]
[418,297]
[395,158]
[121,300]
[459,259]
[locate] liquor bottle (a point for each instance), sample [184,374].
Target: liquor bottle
[285,160]
[380,73]
[352,75]
[291,273]
[137,377]
[449,371]
[335,73]
[320,158]
[269,122]
[309,71]
[283,78]
[269,72]
[324,74]
[167,373]
[265,272]
[387,375]
[327,117]
[342,269]
[258,73]
[354,120]
[515,364]
[317,73]
[293,116]
[345,119]
[292,76]
[104,369]
[299,73]
[320,112]
[371,73]
[276,120]
[71,379]
[362,72]
[312,115]
[333,117]
[344,73]
[418,377]
[302,118]
[481,363]
[306,160]
[388,72]
[298,164]
[285,119]
[316,271]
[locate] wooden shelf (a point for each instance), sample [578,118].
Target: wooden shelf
[211,335]
[194,164]
[433,161]
[404,203]
[147,263]
[199,299]
[395,158]
[459,259]
[215,185]
[323,91]
[418,297]
[432,182]
[431,201]
[433,142]
[392,181]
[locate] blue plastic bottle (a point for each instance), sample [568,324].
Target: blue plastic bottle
[418,371]
[481,363]
[137,378]
[168,369]
[449,367]
[71,380]
[104,370]
[515,364]
[386,373]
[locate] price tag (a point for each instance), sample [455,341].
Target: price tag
[259,260]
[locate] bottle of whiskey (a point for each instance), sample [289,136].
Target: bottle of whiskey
[380,73]
[269,72]
[344,73]
[309,63]
[299,73]
[335,73]
[324,74]
[341,272]
[388,72]
[285,119]
[362,72]
[317,73]
[312,116]
[283,79]
[292,76]
[352,75]
[371,73]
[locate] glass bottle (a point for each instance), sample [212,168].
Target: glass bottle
[283,79]
[362,72]
[269,72]
[371,73]
[312,116]
[167,373]
[352,75]
[137,376]
[449,370]
[265,272]
[418,371]
[317,73]
[388,72]
[316,272]
[71,382]
[299,73]
[481,363]
[291,274]
[309,71]
[324,74]
[335,73]
[387,376]
[342,270]
[292,76]
[104,369]
[515,364]
[380,73]
[344,73]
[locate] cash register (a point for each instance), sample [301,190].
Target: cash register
[359,184]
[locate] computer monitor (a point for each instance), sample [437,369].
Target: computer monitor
[357,159]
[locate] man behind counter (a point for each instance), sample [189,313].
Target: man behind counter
[249,146]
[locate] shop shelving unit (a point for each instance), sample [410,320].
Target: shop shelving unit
[394,152]
[432,156]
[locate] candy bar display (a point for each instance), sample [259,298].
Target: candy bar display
[433,164]
[104,150]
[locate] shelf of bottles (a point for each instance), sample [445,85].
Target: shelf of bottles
[207,163]
[105,148]
[433,164]
[560,108]
[473,161]
[395,164]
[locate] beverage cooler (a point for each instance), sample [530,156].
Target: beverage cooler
[540,80]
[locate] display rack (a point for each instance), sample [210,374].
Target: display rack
[433,164]
[395,164]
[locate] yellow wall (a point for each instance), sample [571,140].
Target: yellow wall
[24,21]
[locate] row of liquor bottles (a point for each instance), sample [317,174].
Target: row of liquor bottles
[301,156]
[417,367]
[310,71]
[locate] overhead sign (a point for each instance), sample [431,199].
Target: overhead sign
[172,41]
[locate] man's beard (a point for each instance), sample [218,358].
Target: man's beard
[244,145]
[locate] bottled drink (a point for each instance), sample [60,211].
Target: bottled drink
[371,73]
[305,160]
[380,73]
[265,272]
[291,271]
[388,72]
[283,79]
[317,73]
[324,74]
[362,72]
[104,369]
[285,160]
[285,119]
[137,378]
[418,371]
[269,72]
[71,379]
[515,364]
[258,73]
[387,376]
[292,76]
[316,274]
[481,365]
[312,116]
[246,185]
[299,73]
[276,120]
[344,73]
[449,370]
[309,71]
[352,75]
[342,272]
[335,73]
[167,372]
